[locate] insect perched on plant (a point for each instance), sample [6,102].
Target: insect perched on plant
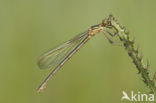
[59,55]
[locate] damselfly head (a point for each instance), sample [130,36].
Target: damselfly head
[106,23]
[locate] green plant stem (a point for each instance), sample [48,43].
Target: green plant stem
[134,54]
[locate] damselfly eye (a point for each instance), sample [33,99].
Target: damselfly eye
[107,23]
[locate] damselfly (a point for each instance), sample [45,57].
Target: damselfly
[58,56]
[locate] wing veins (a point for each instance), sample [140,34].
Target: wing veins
[56,55]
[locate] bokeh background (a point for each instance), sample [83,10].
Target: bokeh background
[98,73]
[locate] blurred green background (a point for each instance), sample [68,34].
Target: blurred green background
[98,73]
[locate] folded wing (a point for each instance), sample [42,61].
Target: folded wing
[55,56]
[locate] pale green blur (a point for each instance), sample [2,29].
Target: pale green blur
[98,73]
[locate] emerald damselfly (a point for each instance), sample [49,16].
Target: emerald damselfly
[58,56]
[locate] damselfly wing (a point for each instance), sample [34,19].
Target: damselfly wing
[59,55]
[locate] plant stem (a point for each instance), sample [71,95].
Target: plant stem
[134,54]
